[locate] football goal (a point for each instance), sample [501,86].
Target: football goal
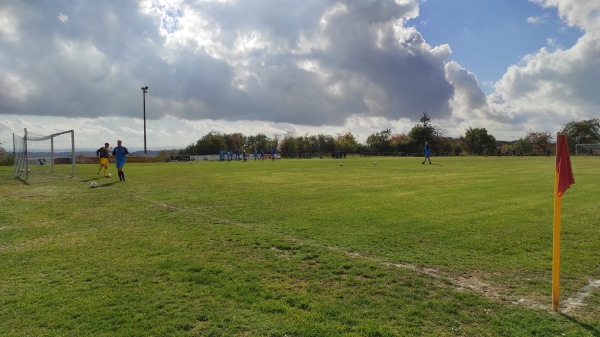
[44,155]
[587,149]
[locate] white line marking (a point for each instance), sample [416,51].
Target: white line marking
[459,283]
[578,299]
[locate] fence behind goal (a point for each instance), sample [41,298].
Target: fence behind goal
[587,149]
[44,155]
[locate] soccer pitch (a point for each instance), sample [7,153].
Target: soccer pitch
[301,247]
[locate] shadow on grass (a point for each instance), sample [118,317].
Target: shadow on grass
[93,179]
[109,184]
[100,178]
[594,330]
[23,181]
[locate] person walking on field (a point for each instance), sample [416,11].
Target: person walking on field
[427,153]
[121,153]
[104,154]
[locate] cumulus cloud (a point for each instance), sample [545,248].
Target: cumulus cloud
[287,63]
[537,20]
[311,63]
[558,85]
[468,96]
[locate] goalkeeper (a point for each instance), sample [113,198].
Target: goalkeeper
[104,154]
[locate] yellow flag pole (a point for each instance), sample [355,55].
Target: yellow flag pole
[556,245]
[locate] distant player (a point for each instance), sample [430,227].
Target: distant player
[104,154]
[427,153]
[121,153]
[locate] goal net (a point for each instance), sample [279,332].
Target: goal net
[44,155]
[587,149]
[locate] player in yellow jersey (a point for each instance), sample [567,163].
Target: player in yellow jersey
[104,154]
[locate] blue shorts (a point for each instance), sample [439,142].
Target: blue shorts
[120,164]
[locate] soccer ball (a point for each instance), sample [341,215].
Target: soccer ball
[341,164]
[109,175]
[93,184]
[375,163]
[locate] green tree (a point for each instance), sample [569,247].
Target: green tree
[477,141]
[289,143]
[235,140]
[425,119]
[259,141]
[326,144]
[426,132]
[421,134]
[380,141]
[346,142]
[523,146]
[310,144]
[5,158]
[582,132]
[540,140]
[273,143]
[210,143]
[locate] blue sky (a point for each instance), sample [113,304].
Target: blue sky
[487,37]
[294,67]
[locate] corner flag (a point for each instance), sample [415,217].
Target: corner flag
[563,179]
[563,165]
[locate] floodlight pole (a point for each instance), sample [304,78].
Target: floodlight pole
[145,90]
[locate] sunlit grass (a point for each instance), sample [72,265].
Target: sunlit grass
[299,248]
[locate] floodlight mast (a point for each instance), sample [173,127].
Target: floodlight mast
[145,90]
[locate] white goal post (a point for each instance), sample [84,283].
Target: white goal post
[587,149]
[44,154]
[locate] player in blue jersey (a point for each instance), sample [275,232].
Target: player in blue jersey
[272,152]
[121,154]
[427,153]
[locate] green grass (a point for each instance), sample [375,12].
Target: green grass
[300,248]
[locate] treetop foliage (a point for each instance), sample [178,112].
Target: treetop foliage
[476,141]
[582,132]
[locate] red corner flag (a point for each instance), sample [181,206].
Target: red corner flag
[563,165]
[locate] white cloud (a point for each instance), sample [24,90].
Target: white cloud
[550,88]
[9,26]
[63,18]
[538,20]
[325,66]
[576,13]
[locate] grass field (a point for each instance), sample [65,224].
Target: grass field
[462,247]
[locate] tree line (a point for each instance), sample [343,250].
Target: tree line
[475,141]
